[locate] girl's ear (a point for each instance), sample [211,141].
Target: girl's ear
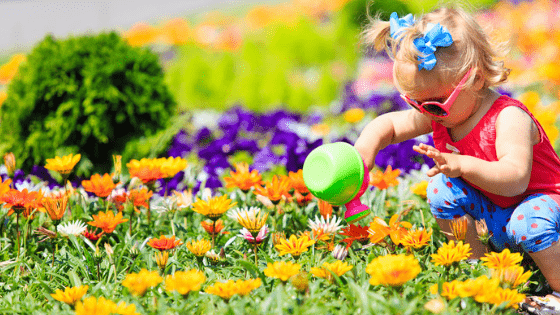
[478,82]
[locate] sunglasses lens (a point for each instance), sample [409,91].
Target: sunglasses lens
[413,106]
[435,110]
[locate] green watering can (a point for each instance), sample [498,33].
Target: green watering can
[336,173]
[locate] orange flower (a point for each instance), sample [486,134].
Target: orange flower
[5,186]
[397,229]
[140,198]
[100,186]
[164,243]
[56,207]
[19,201]
[107,221]
[9,70]
[301,200]
[275,189]
[385,180]
[459,228]
[147,175]
[296,180]
[325,208]
[355,233]
[176,31]
[211,229]
[242,178]
[140,34]
[417,238]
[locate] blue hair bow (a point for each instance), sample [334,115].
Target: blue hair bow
[397,24]
[436,36]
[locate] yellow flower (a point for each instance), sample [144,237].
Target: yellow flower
[138,283]
[512,275]
[171,166]
[9,70]
[459,228]
[417,238]
[354,115]
[92,305]
[225,290]
[471,287]
[185,281]
[176,31]
[450,253]
[449,290]
[161,258]
[63,165]
[321,129]
[393,270]
[126,309]
[253,219]
[70,295]
[435,306]
[213,208]
[512,297]
[199,248]
[501,260]
[294,246]
[245,287]
[338,268]
[420,189]
[486,290]
[282,270]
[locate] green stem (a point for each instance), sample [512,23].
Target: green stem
[18,233]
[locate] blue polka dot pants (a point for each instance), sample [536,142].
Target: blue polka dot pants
[532,225]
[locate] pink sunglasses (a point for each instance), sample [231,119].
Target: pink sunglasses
[436,108]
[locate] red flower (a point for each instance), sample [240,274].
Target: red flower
[92,236]
[164,243]
[355,233]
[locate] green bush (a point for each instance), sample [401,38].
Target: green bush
[89,94]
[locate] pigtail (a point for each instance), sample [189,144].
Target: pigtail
[377,34]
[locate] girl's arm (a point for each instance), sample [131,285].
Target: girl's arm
[516,133]
[390,128]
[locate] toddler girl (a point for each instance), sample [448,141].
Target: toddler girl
[493,158]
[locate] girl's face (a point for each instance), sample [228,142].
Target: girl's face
[428,87]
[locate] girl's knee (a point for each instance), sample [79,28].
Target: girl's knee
[533,231]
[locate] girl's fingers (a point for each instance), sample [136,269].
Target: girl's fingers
[433,171]
[419,149]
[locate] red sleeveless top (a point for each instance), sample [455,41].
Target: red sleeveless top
[481,143]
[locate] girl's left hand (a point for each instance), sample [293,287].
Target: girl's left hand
[446,163]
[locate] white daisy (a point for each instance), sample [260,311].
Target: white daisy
[328,226]
[72,228]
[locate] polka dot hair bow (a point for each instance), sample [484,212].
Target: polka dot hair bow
[435,36]
[397,25]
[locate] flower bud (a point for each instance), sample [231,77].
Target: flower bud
[10,162]
[161,259]
[482,231]
[300,281]
[340,252]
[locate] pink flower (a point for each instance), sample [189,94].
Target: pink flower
[260,237]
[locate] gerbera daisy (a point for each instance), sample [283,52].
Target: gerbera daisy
[63,165]
[244,287]
[281,270]
[449,290]
[164,243]
[275,189]
[18,201]
[451,253]
[70,295]
[329,226]
[199,248]
[92,236]
[107,221]
[384,180]
[55,207]
[420,189]
[242,178]
[100,186]
[296,181]
[172,165]
[214,208]
[92,305]
[225,290]
[185,281]
[355,233]
[417,238]
[393,270]
[512,276]
[139,283]
[252,219]
[512,297]
[501,260]
[75,228]
[338,268]
[294,246]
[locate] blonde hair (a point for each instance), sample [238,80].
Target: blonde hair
[471,48]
